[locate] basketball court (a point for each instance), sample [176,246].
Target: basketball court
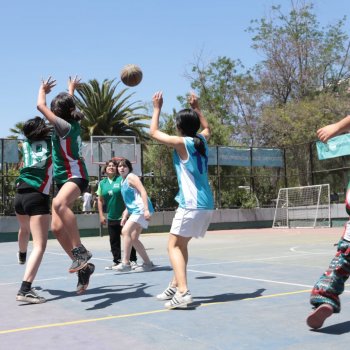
[250,290]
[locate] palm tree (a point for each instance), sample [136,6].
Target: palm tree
[17,130]
[108,112]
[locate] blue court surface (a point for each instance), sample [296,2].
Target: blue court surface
[250,288]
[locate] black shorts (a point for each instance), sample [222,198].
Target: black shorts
[83,184]
[32,203]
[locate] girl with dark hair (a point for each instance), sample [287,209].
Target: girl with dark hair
[110,198]
[32,204]
[140,209]
[70,174]
[195,198]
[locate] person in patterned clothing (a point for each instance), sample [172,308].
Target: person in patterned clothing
[325,293]
[70,174]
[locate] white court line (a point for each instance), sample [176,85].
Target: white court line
[257,279]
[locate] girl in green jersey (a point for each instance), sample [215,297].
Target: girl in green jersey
[70,172]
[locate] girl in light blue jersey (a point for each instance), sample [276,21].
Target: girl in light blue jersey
[195,197]
[139,208]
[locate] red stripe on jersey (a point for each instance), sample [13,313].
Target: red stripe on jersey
[47,176]
[66,152]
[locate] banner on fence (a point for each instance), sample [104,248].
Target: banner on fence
[257,157]
[335,147]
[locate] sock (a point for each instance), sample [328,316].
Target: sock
[26,286]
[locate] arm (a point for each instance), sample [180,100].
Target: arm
[45,89]
[124,217]
[135,182]
[194,103]
[103,220]
[172,141]
[331,130]
[73,83]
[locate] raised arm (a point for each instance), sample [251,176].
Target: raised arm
[73,83]
[155,133]
[194,103]
[45,88]
[331,130]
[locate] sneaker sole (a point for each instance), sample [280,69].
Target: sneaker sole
[30,300]
[163,299]
[317,318]
[178,306]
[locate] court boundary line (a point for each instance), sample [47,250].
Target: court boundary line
[136,314]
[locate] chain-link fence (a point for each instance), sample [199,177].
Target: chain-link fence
[240,177]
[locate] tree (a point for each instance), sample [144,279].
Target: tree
[17,130]
[299,57]
[108,112]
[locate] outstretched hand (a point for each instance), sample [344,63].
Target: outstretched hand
[327,132]
[73,83]
[158,99]
[193,100]
[48,84]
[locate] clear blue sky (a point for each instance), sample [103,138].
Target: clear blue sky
[95,39]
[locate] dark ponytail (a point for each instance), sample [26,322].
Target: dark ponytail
[187,121]
[63,106]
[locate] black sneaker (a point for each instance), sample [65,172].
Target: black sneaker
[81,257]
[84,277]
[22,257]
[30,297]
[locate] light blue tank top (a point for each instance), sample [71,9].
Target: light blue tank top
[192,176]
[133,200]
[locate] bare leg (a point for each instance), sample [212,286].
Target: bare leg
[39,226]
[131,233]
[178,254]
[61,205]
[61,234]
[23,232]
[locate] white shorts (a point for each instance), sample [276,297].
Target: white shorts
[191,222]
[139,219]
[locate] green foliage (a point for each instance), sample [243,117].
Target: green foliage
[110,112]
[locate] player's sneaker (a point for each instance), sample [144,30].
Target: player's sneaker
[81,257]
[22,257]
[110,267]
[84,277]
[179,300]
[316,319]
[121,267]
[134,265]
[30,297]
[167,294]
[144,267]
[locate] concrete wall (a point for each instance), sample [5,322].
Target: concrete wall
[161,221]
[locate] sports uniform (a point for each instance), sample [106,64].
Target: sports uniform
[195,198]
[34,181]
[134,204]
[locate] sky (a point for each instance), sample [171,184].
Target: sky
[95,39]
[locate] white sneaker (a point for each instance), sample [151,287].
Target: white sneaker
[110,267]
[144,267]
[179,300]
[134,265]
[121,267]
[167,294]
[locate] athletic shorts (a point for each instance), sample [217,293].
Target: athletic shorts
[32,203]
[83,184]
[191,222]
[139,219]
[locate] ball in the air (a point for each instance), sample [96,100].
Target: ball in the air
[131,75]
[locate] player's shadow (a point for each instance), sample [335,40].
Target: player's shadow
[336,329]
[105,296]
[222,298]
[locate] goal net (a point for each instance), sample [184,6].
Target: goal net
[302,207]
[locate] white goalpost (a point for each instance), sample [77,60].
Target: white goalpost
[303,207]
